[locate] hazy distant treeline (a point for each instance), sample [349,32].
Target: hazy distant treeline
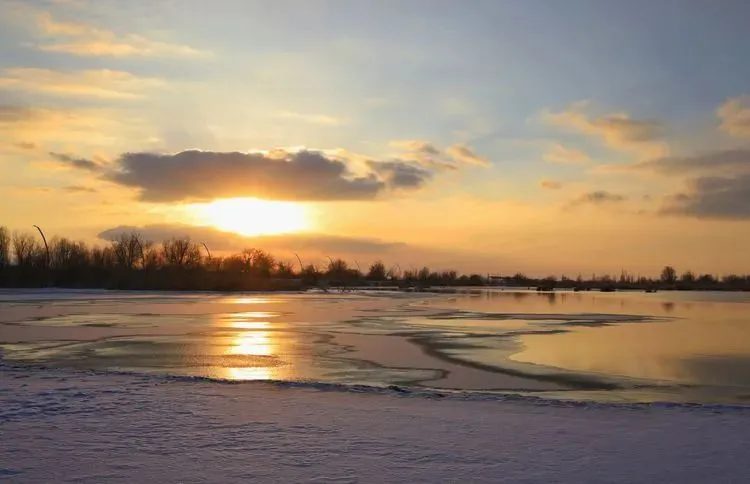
[131,262]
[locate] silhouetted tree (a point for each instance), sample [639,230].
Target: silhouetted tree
[310,274]
[377,271]
[179,252]
[4,247]
[687,277]
[668,275]
[128,249]
[26,249]
[284,269]
[103,258]
[707,279]
[261,263]
[66,254]
[337,269]
[424,274]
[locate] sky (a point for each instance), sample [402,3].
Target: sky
[546,137]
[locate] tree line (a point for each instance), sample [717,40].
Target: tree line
[179,263]
[130,261]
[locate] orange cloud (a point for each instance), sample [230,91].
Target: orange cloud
[88,40]
[550,184]
[95,83]
[617,130]
[734,114]
[561,154]
[464,154]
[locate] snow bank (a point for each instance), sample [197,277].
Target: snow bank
[59,426]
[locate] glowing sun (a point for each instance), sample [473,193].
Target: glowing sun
[251,216]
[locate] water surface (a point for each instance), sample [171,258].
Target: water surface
[667,346]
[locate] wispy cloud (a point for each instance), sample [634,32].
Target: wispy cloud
[564,155]
[415,146]
[94,83]
[550,184]
[427,153]
[321,119]
[79,163]
[79,126]
[597,197]
[88,40]
[617,130]
[734,114]
[79,189]
[464,154]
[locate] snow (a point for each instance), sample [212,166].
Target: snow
[63,426]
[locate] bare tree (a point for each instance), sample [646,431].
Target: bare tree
[25,249]
[128,249]
[181,252]
[4,247]
[103,258]
[66,254]
[377,271]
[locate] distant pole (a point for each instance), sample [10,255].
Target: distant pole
[207,251]
[44,239]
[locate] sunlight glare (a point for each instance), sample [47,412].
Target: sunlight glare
[251,216]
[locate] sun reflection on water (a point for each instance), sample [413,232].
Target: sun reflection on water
[255,339]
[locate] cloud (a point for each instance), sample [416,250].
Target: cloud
[713,162]
[561,154]
[228,241]
[734,114]
[321,119]
[428,154]
[25,145]
[712,198]
[598,197]
[79,163]
[617,130]
[424,153]
[94,83]
[550,184]
[299,176]
[73,125]
[398,174]
[79,189]
[416,146]
[87,40]
[464,154]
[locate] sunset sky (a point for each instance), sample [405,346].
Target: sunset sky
[541,136]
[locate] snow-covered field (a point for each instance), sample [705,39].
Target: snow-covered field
[59,426]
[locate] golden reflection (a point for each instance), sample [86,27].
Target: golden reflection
[251,373]
[254,340]
[250,300]
[253,343]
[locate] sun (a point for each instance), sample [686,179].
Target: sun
[251,216]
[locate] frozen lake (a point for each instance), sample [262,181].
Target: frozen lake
[624,347]
[500,386]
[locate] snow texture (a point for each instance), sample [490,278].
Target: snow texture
[61,426]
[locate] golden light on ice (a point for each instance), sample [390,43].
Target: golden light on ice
[251,216]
